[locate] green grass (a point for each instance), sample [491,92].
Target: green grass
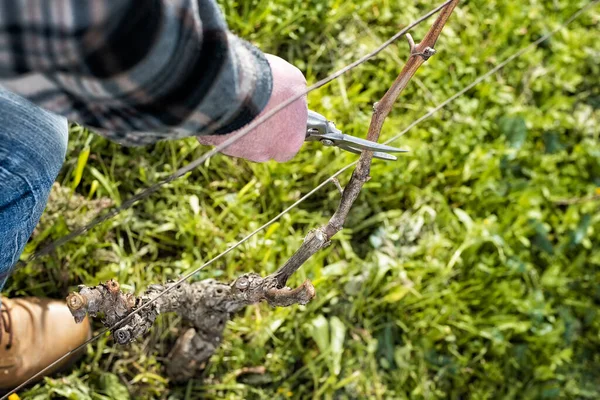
[458,275]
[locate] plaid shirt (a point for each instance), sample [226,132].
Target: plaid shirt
[134,71]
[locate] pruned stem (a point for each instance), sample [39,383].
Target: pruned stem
[209,304]
[419,54]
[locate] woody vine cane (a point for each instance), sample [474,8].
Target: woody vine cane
[332,178]
[209,304]
[182,171]
[241,133]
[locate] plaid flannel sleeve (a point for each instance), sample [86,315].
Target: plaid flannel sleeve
[134,71]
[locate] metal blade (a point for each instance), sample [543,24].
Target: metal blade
[376,154]
[368,145]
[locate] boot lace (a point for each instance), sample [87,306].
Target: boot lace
[6,325]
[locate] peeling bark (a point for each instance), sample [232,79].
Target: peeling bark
[206,304]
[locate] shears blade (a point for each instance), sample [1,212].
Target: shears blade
[320,129]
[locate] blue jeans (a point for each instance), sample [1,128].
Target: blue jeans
[33,143]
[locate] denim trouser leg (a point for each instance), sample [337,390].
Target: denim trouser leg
[33,143]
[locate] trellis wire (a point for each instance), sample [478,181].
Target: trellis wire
[243,132]
[182,171]
[330,179]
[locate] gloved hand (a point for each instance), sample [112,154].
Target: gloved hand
[280,137]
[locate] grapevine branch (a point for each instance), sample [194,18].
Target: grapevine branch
[209,304]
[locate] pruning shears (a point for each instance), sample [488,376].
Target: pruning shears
[320,129]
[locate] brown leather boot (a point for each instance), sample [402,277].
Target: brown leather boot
[34,332]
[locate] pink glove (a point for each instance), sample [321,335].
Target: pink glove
[281,136]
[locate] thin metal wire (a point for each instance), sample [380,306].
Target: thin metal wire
[330,179]
[185,277]
[243,132]
[493,71]
[182,171]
